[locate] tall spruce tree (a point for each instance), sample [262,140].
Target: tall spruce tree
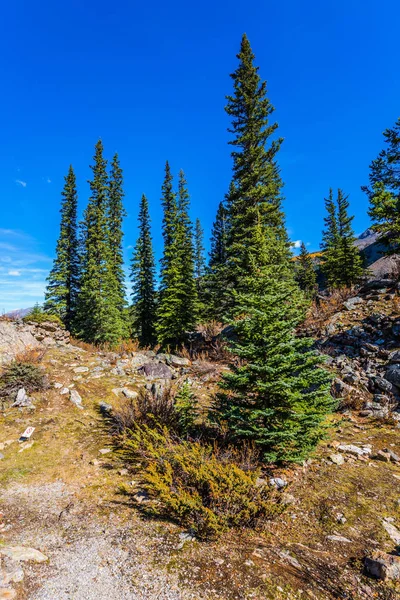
[188,293]
[257,194]
[330,261]
[341,261]
[116,214]
[178,305]
[63,280]
[216,283]
[384,191]
[168,326]
[200,261]
[278,396]
[218,237]
[143,279]
[99,316]
[349,255]
[305,274]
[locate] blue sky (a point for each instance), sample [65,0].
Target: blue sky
[150,79]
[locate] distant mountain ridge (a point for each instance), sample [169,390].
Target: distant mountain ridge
[19,313]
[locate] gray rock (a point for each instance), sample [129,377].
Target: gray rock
[20,553]
[155,370]
[22,399]
[81,370]
[278,483]
[64,391]
[1,456]
[382,384]
[355,450]
[394,357]
[383,566]
[393,374]
[75,398]
[337,459]
[15,340]
[131,394]
[352,303]
[338,538]
[392,531]
[104,408]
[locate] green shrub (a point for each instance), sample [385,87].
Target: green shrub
[186,407]
[195,486]
[158,407]
[37,315]
[18,375]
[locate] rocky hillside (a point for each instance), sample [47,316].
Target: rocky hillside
[70,525]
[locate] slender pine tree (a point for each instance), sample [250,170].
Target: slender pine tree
[330,245]
[278,396]
[116,214]
[384,190]
[341,260]
[219,237]
[63,280]
[217,293]
[349,255]
[168,327]
[257,194]
[188,311]
[99,317]
[305,274]
[200,261]
[143,279]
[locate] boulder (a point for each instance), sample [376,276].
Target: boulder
[20,553]
[355,450]
[22,399]
[14,341]
[352,303]
[75,398]
[155,370]
[393,374]
[383,566]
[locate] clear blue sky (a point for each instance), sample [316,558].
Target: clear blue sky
[150,79]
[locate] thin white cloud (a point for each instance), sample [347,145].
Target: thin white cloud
[20,182]
[14,273]
[48,180]
[297,244]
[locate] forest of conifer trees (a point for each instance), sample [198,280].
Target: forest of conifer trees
[277,394]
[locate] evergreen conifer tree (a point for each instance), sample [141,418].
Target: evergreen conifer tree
[349,255]
[305,273]
[63,280]
[143,279]
[278,396]
[168,326]
[384,193]
[99,315]
[188,310]
[217,293]
[116,214]
[219,237]
[341,260]
[256,198]
[199,251]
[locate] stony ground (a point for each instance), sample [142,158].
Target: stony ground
[60,493]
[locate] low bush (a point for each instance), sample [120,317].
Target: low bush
[158,407]
[42,318]
[19,375]
[194,485]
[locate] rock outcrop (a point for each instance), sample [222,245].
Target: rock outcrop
[17,337]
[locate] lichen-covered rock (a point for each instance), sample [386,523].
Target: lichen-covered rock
[14,341]
[383,566]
